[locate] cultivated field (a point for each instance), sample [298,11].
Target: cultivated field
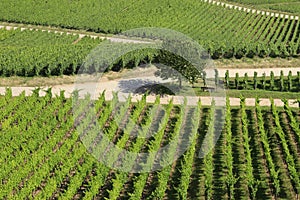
[47,160]
[236,134]
[223,31]
[292,6]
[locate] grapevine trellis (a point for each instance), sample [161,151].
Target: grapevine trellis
[224,32]
[281,83]
[42,156]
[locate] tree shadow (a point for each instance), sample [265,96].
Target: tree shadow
[142,86]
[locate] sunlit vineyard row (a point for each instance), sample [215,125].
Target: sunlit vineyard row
[39,53]
[291,6]
[33,53]
[224,32]
[45,145]
[266,81]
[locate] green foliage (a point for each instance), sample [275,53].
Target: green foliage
[270,83]
[216,78]
[281,81]
[51,142]
[267,149]
[176,67]
[37,53]
[246,35]
[264,81]
[255,81]
[290,159]
[227,78]
[230,178]
[237,81]
[246,81]
[298,78]
[290,81]
[291,6]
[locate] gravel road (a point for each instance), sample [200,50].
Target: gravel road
[124,87]
[164,100]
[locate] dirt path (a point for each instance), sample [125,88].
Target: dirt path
[128,82]
[110,86]
[144,72]
[150,99]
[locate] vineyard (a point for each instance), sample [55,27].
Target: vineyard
[256,156]
[40,53]
[291,6]
[224,32]
[33,53]
[266,82]
[227,134]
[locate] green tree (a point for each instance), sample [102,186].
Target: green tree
[175,67]
[185,61]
